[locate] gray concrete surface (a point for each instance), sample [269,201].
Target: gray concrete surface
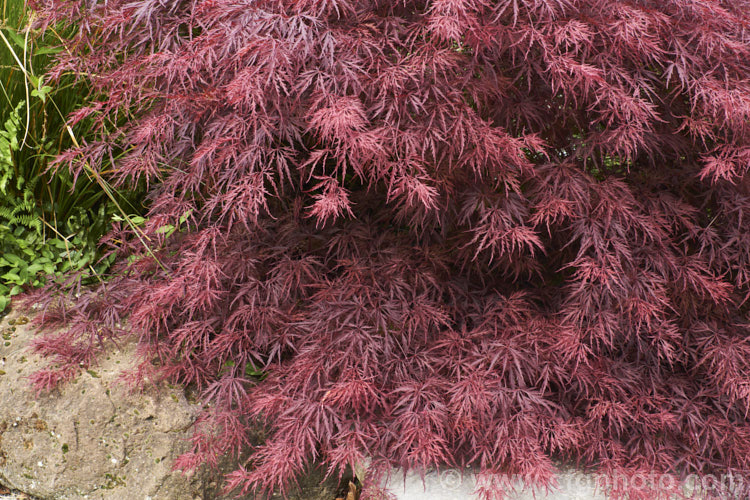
[450,484]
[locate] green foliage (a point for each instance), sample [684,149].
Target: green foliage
[50,222]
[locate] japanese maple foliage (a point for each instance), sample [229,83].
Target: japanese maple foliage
[503,234]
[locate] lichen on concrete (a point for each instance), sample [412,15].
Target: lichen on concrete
[91,438]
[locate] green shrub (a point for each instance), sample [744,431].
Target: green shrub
[50,221]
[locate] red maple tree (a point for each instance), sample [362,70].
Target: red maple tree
[492,233]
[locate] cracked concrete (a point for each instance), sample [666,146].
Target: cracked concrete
[90,439]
